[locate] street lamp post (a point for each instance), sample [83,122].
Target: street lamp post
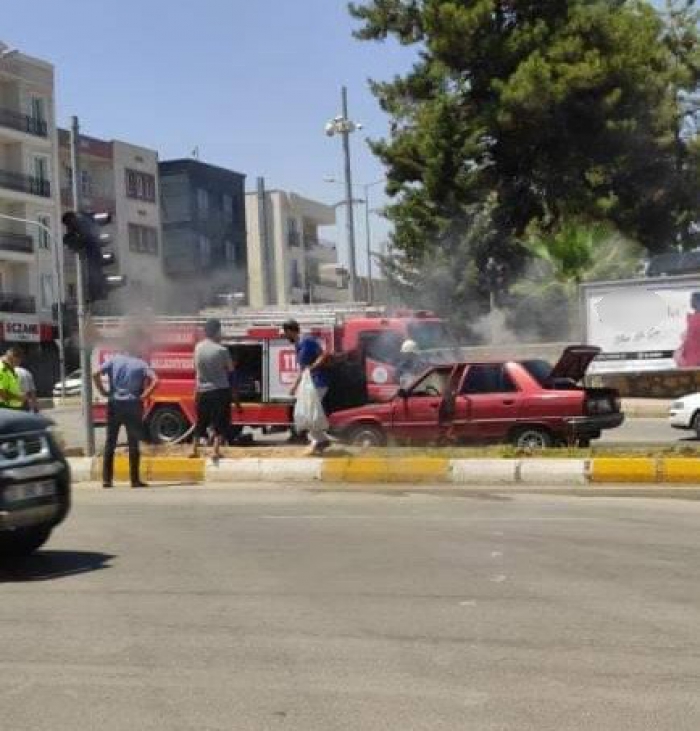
[366,187]
[344,126]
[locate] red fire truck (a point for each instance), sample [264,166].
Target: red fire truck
[365,341]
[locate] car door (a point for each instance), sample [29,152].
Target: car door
[489,403]
[416,413]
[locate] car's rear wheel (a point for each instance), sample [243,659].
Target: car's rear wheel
[22,542]
[366,435]
[532,438]
[167,424]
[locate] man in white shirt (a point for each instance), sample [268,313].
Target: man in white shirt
[26,383]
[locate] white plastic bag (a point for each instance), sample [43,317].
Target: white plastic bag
[308,411]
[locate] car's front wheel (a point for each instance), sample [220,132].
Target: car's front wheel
[22,542]
[366,435]
[532,438]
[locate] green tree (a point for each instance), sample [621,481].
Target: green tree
[545,302]
[552,109]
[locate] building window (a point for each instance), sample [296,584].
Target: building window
[293,232]
[72,292]
[46,291]
[41,168]
[44,235]
[38,108]
[230,251]
[143,239]
[228,206]
[202,203]
[204,251]
[296,274]
[85,183]
[140,186]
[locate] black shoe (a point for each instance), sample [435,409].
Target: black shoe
[139,484]
[107,485]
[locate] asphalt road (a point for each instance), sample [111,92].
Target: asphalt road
[634,431]
[196,609]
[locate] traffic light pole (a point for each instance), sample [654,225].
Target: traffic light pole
[83,312]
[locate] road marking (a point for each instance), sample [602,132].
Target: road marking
[469,603]
[498,579]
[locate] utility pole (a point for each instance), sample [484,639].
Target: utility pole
[349,210]
[344,126]
[368,232]
[83,313]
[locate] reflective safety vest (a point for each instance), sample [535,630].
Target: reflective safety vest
[13,397]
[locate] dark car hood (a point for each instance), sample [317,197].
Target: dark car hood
[574,362]
[18,422]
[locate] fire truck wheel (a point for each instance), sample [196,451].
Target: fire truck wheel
[366,435]
[167,424]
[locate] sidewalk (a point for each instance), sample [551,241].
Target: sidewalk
[646,408]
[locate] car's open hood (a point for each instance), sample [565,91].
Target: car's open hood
[574,362]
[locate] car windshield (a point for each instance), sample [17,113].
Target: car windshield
[430,335]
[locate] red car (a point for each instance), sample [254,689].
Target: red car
[528,403]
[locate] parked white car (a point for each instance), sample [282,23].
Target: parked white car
[73,385]
[685,413]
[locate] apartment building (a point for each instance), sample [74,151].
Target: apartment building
[288,260]
[204,240]
[30,256]
[122,179]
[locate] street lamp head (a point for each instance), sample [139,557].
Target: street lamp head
[330,129]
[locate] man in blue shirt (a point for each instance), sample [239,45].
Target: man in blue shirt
[130,381]
[311,356]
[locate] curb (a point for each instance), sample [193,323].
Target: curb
[410,470]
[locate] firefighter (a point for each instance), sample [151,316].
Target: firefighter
[410,364]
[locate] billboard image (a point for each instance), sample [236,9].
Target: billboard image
[644,325]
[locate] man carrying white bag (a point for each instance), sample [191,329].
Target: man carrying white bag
[310,387]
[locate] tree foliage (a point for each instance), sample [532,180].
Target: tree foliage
[554,110]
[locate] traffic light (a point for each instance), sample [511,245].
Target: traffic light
[85,237]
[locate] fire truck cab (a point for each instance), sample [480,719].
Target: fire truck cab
[365,343]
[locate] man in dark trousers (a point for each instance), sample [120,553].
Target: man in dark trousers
[130,381]
[215,390]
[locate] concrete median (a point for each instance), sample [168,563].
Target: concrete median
[534,472]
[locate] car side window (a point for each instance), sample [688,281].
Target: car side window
[434,384]
[483,379]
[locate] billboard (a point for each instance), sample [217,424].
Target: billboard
[643,325]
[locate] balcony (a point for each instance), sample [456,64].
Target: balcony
[16,243]
[25,184]
[23,123]
[18,303]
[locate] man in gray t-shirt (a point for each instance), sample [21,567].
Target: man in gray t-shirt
[214,394]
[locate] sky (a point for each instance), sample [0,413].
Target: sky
[251,83]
